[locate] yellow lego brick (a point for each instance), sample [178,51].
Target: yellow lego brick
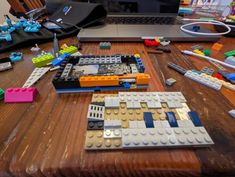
[199,52]
[142,79]
[95,141]
[137,55]
[93,81]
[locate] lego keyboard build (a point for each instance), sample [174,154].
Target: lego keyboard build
[95,73]
[130,120]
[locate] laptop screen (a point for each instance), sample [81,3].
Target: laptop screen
[140,6]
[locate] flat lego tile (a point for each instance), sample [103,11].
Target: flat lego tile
[148,119]
[112,102]
[35,76]
[109,124]
[183,112]
[170,81]
[112,133]
[96,141]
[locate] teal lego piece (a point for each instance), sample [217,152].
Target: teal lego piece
[105,45]
[207,52]
[230,53]
[1,94]
[43,59]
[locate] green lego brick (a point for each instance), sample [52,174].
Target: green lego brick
[70,49]
[42,60]
[230,53]
[207,52]
[1,94]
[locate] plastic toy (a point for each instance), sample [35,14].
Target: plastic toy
[151,42]
[94,73]
[218,76]
[170,81]
[16,56]
[165,42]
[70,49]
[232,113]
[198,52]
[20,95]
[217,46]
[35,76]
[230,53]
[132,120]
[5,64]
[42,59]
[32,26]
[57,61]
[5,36]
[1,94]
[207,52]
[105,45]
[35,48]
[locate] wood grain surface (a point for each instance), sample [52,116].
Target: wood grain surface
[46,138]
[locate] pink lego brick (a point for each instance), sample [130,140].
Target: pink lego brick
[20,95]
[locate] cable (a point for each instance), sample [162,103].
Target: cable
[209,22]
[187,52]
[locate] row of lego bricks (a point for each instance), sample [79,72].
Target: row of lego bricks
[92,60]
[147,138]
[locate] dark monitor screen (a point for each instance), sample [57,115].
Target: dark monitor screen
[140,6]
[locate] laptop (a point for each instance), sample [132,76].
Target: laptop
[135,20]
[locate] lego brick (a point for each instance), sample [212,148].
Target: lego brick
[20,95]
[148,118]
[92,60]
[230,53]
[207,52]
[142,79]
[68,68]
[111,124]
[105,45]
[95,112]
[134,68]
[185,123]
[217,46]
[197,47]
[112,102]
[202,80]
[165,137]
[5,66]
[58,61]
[170,81]
[171,119]
[198,52]
[195,118]
[35,76]
[133,124]
[76,54]
[42,60]
[92,81]
[177,68]
[183,112]
[232,113]
[1,94]
[95,125]
[141,124]
[139,64]
[112,133]
[96,141]
[173,100]
[16,56]
[207,70]
[70,49]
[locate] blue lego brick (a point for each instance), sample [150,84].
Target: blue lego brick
[16,56]
[148,119]
[140,65]
[58,61]
[195,118]
[172,119]
[177,68]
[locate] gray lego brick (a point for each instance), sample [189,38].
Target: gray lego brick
[207,70]
[170,81]
[165,137]
[68,68]
[5,66]
[203,80]
[111,124]
[112,102]
[100,60]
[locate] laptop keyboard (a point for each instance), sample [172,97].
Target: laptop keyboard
[140,20]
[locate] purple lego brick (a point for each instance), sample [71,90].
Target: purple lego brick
[20,95]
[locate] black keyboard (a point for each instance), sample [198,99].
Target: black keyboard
[140,20]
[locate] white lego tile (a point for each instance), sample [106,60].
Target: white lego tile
[112,102]
[141,124]
[183,112]
[67,70]
[112,133]
[112,124]
[185,123]
[95,112]
[35,76]
[133,124]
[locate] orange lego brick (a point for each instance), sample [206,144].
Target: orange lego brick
[217,46]
[93,81]
[142,79]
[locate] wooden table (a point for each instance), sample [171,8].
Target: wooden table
[46,138]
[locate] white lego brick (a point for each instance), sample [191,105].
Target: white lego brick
[68,68]
[232,113]
[174,104]
[112,124]
[133,124]
[157,124]
[95,112]
[185,123]
[141,124]
[200,78]
[133,105]
[35,76]
[173,99]
[170,81]
[5,66]
[183,112]
[112,133]
[112,102]
[165,124]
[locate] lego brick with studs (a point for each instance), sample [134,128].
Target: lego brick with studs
[131,120]
[96,73]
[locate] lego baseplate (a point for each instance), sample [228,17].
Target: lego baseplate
[95,73]
[131,120]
